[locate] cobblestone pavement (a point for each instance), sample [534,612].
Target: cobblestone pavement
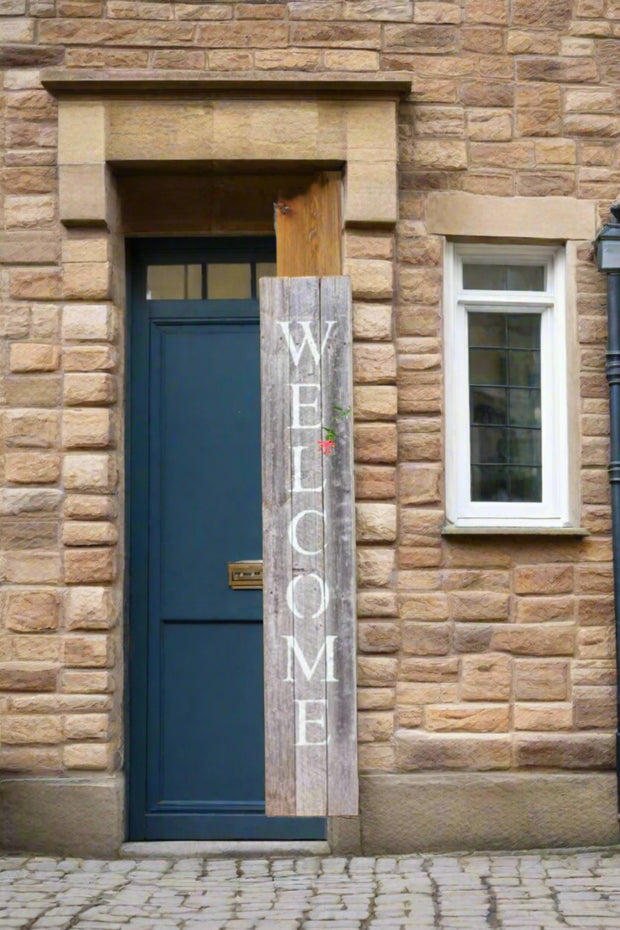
[503,892]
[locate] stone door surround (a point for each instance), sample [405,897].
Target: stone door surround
[294,120]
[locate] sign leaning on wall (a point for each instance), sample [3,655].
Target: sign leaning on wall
[308,547]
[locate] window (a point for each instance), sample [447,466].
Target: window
[506,403]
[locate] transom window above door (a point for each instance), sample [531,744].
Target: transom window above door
[507,457]
[215,280]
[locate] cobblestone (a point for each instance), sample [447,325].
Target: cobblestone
[550,891]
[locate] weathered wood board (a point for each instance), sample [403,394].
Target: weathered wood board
[308,548]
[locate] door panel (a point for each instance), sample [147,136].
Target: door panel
[196,766]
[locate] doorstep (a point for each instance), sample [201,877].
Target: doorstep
[223,849]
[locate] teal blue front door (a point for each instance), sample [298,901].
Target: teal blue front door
[196,750]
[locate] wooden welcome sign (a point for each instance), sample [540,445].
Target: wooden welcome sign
[308,547]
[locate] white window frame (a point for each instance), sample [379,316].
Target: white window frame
[553,510]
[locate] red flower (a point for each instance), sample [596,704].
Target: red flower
[326,446]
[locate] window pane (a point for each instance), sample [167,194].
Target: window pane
[229,281]
[487,329]
[266,270]
[174,282]
[488,405]
[481,277]
[524,330]
[487,366]
[505,434]
[525,484]
[524,368]
[524,407]
[488,444]
[489,483]
[524,446]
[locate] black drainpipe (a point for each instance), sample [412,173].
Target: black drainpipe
[612,370]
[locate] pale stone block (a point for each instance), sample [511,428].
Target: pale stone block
[371,279]
[86,756]
[31,611]
[378,636]
[371,131]
[81,132]
[83,194]
[89,507]
[419,484]
[89,608]
[35,285]
[467,718]
[30,728]
[88,322]
[32,428]
[91,388]
[29,211]
[85,248]
[376,671]
[88,651]
[486,677]
[32,356]
[44,321]
[89,472]
[135,127]
[372,321]
[376,522]
[14,501]
[375,402]
[90,566]
[375,442]
[32,467]
[371,193]
[32,567]
[461,214]
[16,30]
[87,682]
[100,533]
[377,604]
[86,281]
[416,750]
[375,567]
[86,726]
[541,716]
[375,727]
[89,358]
[374,364]
[444,155]
[375,698]
[89,428]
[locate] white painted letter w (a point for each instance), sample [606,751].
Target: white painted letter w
[308,340]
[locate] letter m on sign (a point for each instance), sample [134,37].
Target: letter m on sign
[308,548]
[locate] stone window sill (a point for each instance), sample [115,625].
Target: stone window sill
[577,532]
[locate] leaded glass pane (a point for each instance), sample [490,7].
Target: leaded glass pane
[504,400]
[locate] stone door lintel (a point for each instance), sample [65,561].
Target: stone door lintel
[288,120]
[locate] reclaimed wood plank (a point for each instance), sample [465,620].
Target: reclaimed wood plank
[280,790]
[340,567]
[308,227]
[307,540]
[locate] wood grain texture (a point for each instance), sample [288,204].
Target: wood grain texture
[308,548]
[308,566]
[340,573]
[277,558]
[308,228]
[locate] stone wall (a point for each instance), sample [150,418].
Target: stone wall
[475,653]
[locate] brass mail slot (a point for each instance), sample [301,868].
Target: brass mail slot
[248,575]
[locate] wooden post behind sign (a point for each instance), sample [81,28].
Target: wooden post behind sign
[308,548]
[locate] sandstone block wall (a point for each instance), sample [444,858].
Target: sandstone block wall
[474,653]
